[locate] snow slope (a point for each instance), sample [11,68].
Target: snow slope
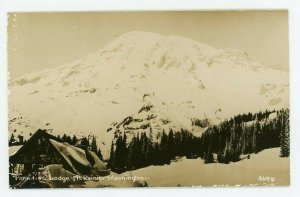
[185,79]
[263,169]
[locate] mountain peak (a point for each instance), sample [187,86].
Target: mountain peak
[181,79]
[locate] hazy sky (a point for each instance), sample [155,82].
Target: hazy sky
[38,41]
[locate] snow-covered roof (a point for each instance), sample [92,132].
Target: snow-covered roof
[71,154]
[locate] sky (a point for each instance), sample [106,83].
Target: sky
[38,41]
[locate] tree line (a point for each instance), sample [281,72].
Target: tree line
[226,142]
[233,137]
[142,151]
[83,142]
[223,143]
[16,140]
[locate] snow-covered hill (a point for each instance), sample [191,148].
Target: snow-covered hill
[184,80]
[263,169]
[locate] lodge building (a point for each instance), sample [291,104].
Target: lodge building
[43,149]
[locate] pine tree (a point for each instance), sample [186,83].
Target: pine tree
[68,140]
[285,137]
[94,147]
[130,156]
[146,150]
[111,161]
[124,151]
[254,139]
[151,136]
[120,154]
[12,140]
[164,148]
[21,139]
[209,158]
[85,142]
[64,138]
[74,140]
[170,146]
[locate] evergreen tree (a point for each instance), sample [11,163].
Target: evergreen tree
[234,137]
[242,134]
[131,154]
[12,140]
[64,138]
[171,146]
[74,140]
[156,155]
[111,160]
[164,148]
[120,154]
[285,136]
[85,142]
[151,136]
[68,140]
[94,147]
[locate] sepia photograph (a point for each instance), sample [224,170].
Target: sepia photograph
[148,99]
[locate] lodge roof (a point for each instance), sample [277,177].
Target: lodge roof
[76,158]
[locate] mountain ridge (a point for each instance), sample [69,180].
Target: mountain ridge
[188,79]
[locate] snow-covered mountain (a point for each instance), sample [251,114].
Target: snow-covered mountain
[180,78]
